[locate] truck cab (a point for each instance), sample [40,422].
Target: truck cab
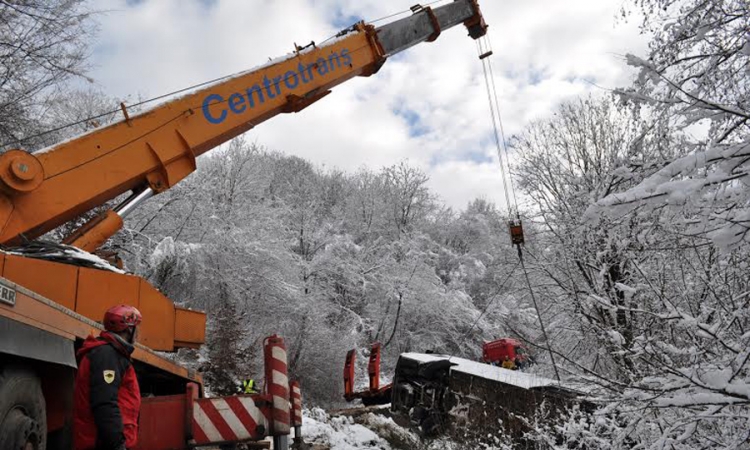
[495,352]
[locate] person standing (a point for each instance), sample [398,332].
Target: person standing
[248,386]
[107,399]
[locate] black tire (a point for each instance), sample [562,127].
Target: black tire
[23,415]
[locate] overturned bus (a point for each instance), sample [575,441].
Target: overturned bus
[445,395]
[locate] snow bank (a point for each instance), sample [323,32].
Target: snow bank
[339,433]
[342,433]
[512,377]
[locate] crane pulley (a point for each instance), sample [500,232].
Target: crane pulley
[516,231]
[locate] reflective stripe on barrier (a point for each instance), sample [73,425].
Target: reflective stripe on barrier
[277,384]
[227,419]
[296,400]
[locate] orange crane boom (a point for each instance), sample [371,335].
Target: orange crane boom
[150,152]
[48,305]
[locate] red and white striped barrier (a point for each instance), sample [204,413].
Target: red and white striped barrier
[296,400]
[227,419]
[277,387]
[197,422]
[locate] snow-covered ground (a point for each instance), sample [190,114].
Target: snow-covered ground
[340,433]
[368,431]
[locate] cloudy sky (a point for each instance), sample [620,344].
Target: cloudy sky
[428,105]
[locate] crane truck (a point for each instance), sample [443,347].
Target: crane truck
[53,295]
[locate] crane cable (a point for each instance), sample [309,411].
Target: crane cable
[538,313]
[484,49]
[496,123]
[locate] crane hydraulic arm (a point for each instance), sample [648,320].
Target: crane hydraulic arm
[150,152]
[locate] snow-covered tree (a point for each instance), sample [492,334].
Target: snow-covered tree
[407,196]
[564,164]
[330,261]
[649,313]
[43,44]
[697,77]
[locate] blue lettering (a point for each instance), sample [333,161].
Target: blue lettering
[346,57]
[301,68]
[238,102]
[257,89]
[235,101]
[206,111]
[277,83]
[291,75]
[333,56]
[310,67]
[267,84]
[322,66]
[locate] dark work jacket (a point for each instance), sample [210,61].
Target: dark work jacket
[107,396]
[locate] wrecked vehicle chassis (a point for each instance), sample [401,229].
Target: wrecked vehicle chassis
[442,395]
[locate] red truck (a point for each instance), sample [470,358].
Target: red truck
[497,351]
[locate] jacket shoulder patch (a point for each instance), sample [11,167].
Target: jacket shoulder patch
[109,376]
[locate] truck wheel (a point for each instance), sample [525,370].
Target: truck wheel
[23,418]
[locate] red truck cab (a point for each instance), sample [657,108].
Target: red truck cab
[495,352]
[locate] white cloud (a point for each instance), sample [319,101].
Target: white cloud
[458,182]
[545,51]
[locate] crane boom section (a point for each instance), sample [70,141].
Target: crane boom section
[158,148]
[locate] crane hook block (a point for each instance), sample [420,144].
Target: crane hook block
[20,172]
[516,232]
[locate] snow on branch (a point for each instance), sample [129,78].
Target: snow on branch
[713,183]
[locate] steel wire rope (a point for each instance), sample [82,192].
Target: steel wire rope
[404,11]
[480,51]
[502,128]
[113,111]
[484,52]
[346,30]
[114,149]
[380,19]
[538,313]
[52,130]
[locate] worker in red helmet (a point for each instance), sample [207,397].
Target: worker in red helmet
[107,396]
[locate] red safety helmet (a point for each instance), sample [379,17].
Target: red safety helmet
[119,318]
